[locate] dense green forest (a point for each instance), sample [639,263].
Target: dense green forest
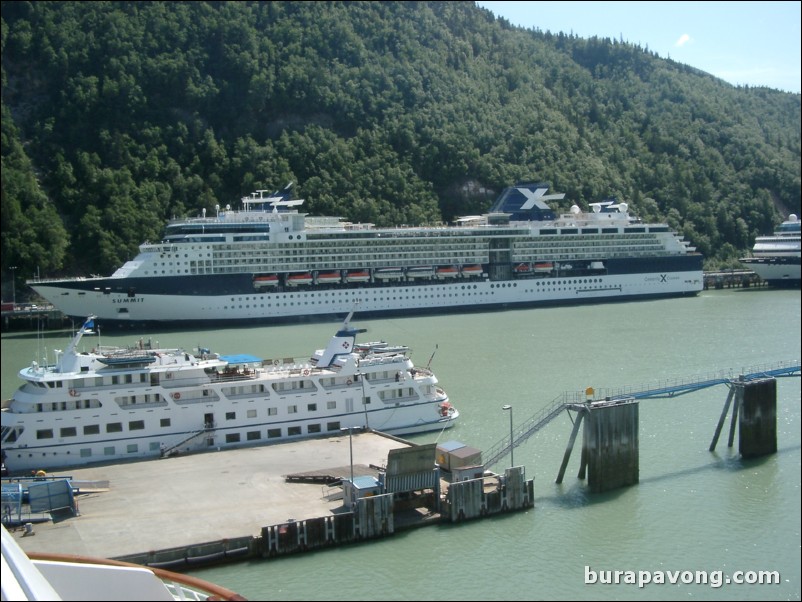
[117,116]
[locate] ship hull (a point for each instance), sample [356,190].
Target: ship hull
[776,271]
[66,454]
[232,299]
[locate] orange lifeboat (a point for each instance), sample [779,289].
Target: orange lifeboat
[265,280]
[328,277]
[302,278]
[357,276]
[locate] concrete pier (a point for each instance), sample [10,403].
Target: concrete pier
[267,501]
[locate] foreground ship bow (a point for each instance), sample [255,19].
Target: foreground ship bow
[268,262]
[113,404]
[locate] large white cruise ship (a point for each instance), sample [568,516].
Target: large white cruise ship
[113,404]
[267,261]
[777,258]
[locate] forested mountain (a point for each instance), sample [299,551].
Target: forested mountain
[119,115]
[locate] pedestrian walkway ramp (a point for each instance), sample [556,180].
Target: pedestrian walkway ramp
[663,389]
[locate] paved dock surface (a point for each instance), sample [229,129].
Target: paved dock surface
[186,500]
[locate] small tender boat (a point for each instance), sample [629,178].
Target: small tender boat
[544,266]
[297,279]
[472,270]
[523,268]
[448,272]
[329,277]
[357,276]
[388,273]
[127,359]
[265,280]
[420,272]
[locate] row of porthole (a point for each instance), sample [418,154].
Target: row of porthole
[359,292]
[502,285]
[285,304]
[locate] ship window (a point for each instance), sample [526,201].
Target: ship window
[164,422]
[313,428]
[231,415]
[69,431]
[333,426]
[331,405]
[251,413]
[114,427]
[273,433]
[132,448]
[44,434]
[92,429]
[294,430]
[312,407]
[86,452]
[232,438]
[292,409]
[272,411]
[108,451]
[136,425]
[253,435]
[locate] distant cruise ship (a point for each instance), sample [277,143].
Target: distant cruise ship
[113,404]
[269,262]
[776,258]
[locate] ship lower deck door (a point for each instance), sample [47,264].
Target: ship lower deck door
[208,421]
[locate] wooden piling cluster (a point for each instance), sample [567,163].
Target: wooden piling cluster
[610,444]
[474,498]
[732,279]
[756,407]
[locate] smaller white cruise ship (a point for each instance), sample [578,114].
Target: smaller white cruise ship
[776,257]
[114,404]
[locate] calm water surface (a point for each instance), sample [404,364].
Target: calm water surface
[693,510]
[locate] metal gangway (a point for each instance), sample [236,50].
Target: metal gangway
[661,389]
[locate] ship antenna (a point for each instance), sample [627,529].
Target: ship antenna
[431,358]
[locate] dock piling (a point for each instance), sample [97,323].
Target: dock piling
[610,445]
[755,403]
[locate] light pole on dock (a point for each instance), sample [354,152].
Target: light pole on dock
[512,457]
[350,449]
